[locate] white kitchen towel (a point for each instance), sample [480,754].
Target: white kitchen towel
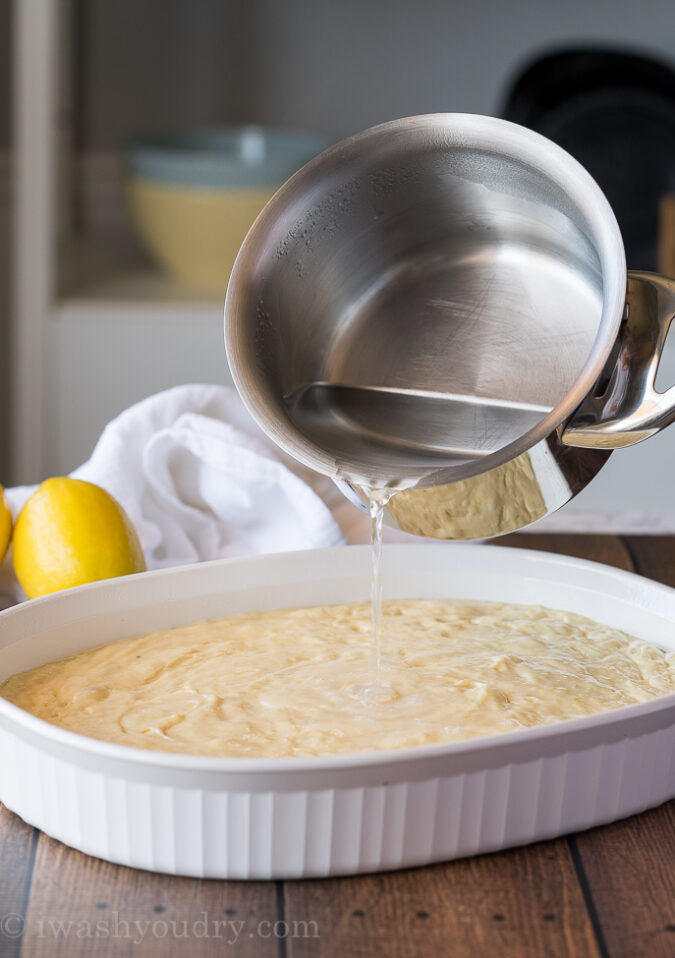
[200,480]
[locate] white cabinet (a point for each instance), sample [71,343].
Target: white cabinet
[101,361]
[95,327]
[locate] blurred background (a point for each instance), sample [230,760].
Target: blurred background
[98,307]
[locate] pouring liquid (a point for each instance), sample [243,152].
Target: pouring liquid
[377,500]
[376,689]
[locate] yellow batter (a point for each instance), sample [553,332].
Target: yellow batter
[297,681]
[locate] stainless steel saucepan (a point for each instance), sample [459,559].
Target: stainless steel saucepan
[440,305]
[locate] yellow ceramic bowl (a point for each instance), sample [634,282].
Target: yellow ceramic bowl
[195,233]
[193,197]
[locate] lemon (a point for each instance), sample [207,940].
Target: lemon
[5,524]
[70,532]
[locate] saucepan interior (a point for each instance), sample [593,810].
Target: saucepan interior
[429,293]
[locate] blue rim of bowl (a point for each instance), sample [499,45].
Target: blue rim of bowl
[222,157]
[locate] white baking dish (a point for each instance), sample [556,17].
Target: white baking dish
[285,818]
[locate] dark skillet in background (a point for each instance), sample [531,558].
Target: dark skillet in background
[615,113]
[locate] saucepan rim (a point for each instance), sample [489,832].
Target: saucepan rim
[456,129]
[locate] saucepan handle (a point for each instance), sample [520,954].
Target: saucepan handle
[625,408]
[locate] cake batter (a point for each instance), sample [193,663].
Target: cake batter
[295,682]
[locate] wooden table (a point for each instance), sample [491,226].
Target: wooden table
[605,892]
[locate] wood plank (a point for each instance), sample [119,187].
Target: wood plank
[525,903]
[630,875]
[81,906]
[654,557]
[610,550]
[628,867]
[17,848]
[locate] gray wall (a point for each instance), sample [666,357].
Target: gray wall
[335,66]
[5,37]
